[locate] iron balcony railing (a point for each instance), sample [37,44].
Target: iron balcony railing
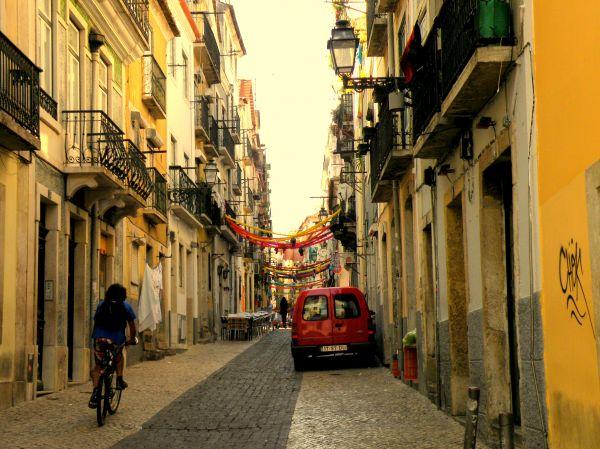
[229,210]
[204,199]
[19,86]
[138,178]
[212,47]
[383,143]
[454,37]
[183,191]
[250,198]
[158,198]
[92,139]
[235,121]
[48,104]
[155,81]
[227,140]
[238,175]
[213,133]
[425,86]
[139,12]
[215,213]
[202,113]
[346,110]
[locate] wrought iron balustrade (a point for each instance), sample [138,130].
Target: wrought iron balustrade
[19,86]
[183,191]
[250,199]
[48,104]
[347,110]
[215,214]
[138,177]
[139,12]
[155,81]
[238,175]
[229,210]
[425,87]
[383,143]
[93,139]
[204,199]
[158,198]
[214,131]
[202,113]
[227,141]
[213,48]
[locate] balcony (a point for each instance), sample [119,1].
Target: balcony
[249,203]
[154,87]
[156,205]
[227,146]
[19,99]
[226,231]
[387,5]
[235,128]
[201,118]
[376,30]
[210,56]
[204,203]
[184,196]
[464,59]
[212,145]
[237,180]
[138,12]
[48,104]
[390,156]
[98,158]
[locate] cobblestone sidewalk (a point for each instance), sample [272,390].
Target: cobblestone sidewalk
[248,404]
[62,420]
[367,408]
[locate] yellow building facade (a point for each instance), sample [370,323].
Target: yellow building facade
[566,86]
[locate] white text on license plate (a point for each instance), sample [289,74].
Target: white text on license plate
[334,348]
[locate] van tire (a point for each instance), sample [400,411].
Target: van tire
[299,363]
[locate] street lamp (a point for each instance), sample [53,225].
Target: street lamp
[343,46]
[210,173]
[323,214]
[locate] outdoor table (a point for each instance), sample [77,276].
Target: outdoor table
[246,324]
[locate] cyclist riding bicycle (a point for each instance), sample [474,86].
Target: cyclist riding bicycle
[112,316]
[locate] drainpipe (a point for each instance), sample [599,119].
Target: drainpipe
[436,275]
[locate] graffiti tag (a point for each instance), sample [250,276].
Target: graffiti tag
[570,271]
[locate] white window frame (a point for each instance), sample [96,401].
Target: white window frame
[45,55]
[74,54]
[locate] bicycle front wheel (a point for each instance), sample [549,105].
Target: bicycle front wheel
[114,395]
[101,407]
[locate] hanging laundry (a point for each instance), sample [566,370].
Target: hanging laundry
[149,314]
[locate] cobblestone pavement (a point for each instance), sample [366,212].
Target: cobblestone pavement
[247,404]
[63,421]
[344,405]
[234,395]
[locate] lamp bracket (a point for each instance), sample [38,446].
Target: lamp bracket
[385,83]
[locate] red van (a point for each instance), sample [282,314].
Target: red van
[333,320]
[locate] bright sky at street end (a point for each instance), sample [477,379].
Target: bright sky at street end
[286,41]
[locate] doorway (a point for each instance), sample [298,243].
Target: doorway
[500,314]
[41,306]
[71,298]
[457,305]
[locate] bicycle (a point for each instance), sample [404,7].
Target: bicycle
[109,396]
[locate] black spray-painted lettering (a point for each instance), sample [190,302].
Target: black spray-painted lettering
[570,270]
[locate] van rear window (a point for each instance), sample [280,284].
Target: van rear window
[315,308]
[346,306]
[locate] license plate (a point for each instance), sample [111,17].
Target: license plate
[334,348]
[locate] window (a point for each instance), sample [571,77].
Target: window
[186,81]
[45,53]
[181,273]
[135,264]
[73,67]
[103,85]
[346,306]
[315,308]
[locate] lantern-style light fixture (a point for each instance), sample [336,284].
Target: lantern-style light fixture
[210,173]
[343,46]
[323,214]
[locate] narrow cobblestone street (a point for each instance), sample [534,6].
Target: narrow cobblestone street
[240,395]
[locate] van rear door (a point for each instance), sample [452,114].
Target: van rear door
[350,320]
[315,327]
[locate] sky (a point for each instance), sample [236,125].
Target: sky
[286,44]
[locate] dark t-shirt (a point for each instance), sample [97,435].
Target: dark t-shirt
[112,325]
[283,305]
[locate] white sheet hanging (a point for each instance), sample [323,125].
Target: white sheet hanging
[149,314]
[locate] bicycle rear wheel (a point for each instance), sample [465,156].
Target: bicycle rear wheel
[114,396]
[101,408]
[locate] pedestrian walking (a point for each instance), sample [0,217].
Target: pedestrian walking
[283,310]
